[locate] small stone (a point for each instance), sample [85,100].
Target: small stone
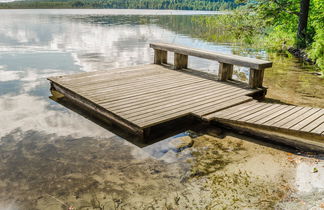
[181,143]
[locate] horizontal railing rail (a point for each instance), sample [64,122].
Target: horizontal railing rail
[226,61]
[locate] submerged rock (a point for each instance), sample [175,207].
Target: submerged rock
[181,143]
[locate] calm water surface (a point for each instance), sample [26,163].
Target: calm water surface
[53,158]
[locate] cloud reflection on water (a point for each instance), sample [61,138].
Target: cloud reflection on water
[35,47]
[26,112]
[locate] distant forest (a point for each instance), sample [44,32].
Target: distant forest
[123,4]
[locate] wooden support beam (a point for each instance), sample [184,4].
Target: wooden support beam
[180,61]
[225,71]
[256,78]
[160,56]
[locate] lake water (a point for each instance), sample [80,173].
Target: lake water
[53,158]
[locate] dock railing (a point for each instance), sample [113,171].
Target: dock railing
[226,62]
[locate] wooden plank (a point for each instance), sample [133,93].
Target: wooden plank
[113,81]
[117,119]
[313,125]
[240,112]
[267,113]
[168,116]
[190,96]
[161,119]
[273,115]
[300,118]
[195,100]
[223,58]
[291,117]
[249,112]
[174,105]
[250,118]
[134,93]
[119,78]
[68,77]
[162,94]
[229,111]
[110,72]
[308,120]
[97,90]
[165,100]
[237,110]
[187,107]
[214,108]
[221,104]
[167,78]
[112,95]
[134,87]
[158,102]
[137,81]
[319,129]
[273,121]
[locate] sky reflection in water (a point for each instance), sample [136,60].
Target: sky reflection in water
[34,47]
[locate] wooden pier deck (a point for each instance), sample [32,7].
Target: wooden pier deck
[142,97]
[286,118]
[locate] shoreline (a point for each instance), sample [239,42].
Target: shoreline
[113,11]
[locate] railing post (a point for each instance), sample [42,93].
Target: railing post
[180,61]
[160,56]
[226,62]
[225,71]
[256,78]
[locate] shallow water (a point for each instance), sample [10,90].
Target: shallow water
[53,158]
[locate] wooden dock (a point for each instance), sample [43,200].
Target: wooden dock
[147,97]
[290,118]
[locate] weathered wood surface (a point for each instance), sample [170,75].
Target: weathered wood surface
[256,78]
[147,95]
[220,57]
[180,61]
[226,62]
[295,119]
[160,56]
[225,71]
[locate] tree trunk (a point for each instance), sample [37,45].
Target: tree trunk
[302,24]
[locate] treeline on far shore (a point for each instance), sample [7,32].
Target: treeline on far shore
[212,5]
